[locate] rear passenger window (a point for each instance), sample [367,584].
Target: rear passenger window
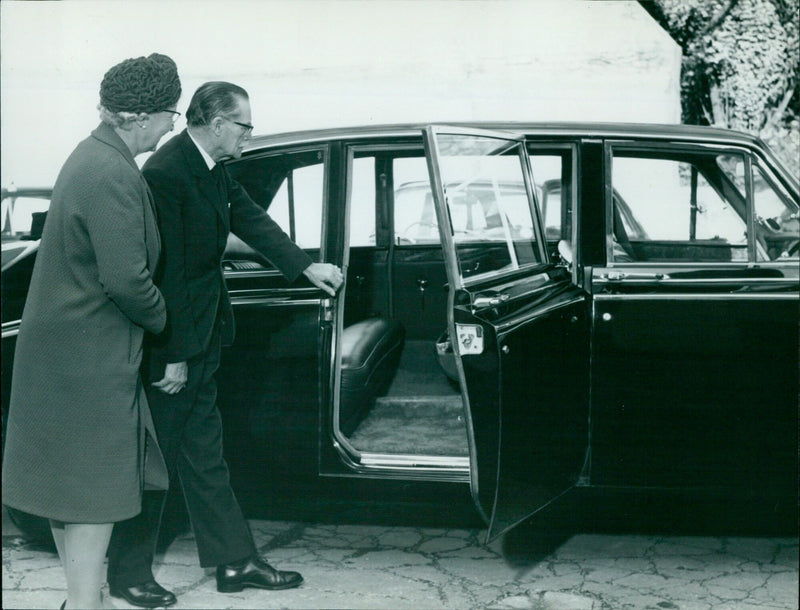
[290,187]
[362,203]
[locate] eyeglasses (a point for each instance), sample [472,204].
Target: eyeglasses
[175,114]
[248,129]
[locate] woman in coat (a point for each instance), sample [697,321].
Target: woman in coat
[80,441]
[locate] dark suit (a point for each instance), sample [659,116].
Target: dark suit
[197,208]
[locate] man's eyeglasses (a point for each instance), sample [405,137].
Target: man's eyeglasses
[248,129]
[175,114]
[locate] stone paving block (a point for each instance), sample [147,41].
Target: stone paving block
[353,566]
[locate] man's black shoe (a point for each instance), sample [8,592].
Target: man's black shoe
[148,594]
[256,573]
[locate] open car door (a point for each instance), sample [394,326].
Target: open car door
[518,325]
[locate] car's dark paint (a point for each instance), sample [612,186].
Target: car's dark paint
[679,376]
[528,395]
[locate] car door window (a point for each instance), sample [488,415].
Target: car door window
[551,177]
[777,218]
[490,215]
[290,187]
[676,207]
[20,215]
[414,212]
[362,202]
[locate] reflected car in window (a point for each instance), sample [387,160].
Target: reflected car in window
[528,309]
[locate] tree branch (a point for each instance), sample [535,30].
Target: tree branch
[718,19]
[777,113]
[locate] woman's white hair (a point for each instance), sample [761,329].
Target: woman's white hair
[115,119]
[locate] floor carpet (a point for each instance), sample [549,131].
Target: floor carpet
[419,373]
[419,425]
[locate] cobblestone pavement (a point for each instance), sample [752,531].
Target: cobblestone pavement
[368,566]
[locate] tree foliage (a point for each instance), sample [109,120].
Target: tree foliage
[740,66]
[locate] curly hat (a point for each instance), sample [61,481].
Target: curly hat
[141,84]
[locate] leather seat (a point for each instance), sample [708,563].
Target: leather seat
[370,353]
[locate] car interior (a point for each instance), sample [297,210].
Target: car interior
[399,387]
[399,392]
[395,304]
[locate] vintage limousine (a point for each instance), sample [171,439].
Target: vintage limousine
[528,308]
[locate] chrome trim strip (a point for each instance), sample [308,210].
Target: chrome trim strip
[272,301]
[667,280]
[735,296]
[517,320]
[416,462]
[236,273]
[11,329]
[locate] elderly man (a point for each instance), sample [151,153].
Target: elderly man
[198,204]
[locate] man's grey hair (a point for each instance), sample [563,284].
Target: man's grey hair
[213,99]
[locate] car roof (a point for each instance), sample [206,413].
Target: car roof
[561,129]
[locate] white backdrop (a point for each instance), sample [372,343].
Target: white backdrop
[322,63]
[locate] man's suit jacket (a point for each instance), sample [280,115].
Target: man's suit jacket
[197,209]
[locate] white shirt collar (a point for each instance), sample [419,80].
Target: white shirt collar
[206,157]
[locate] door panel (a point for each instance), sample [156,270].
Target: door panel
[693,383]
[269,381]
[367,292]
[520,327]
[419,291]
[694,348]
[544,404]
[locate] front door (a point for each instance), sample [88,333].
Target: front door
[695,322]
[519,327]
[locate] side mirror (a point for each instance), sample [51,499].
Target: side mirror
[565,252]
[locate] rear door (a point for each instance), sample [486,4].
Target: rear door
[520,327]
[271,377]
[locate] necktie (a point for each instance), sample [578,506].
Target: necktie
[219,179]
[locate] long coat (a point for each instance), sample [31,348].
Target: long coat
[79,442]
[197,209]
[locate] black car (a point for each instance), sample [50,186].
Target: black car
[528,308]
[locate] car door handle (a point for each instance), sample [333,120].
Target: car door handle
[327,310]
[489,301]
[618,276]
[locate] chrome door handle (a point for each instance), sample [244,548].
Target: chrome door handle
[616,276]
[327,310]
[489,301]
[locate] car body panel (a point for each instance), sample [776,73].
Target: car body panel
[528,436]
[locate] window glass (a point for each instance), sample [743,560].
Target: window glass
[362,203]
[290,187]
[491,220]
[414,212]
[676,208]
[777,218]
[18,214]
[550,193]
